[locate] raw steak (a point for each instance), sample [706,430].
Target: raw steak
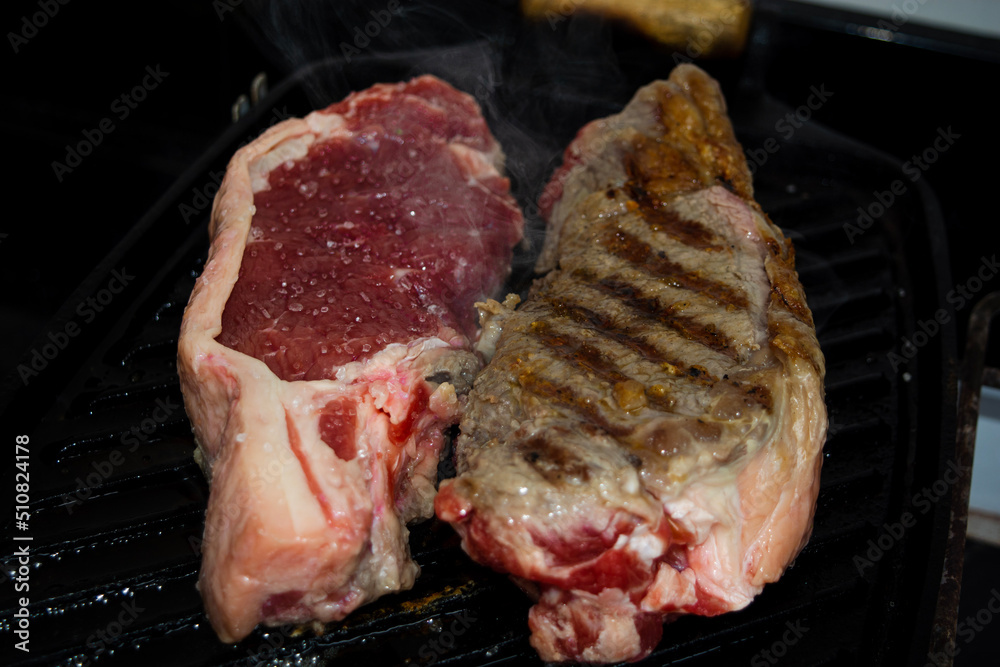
[326,346]
[647,439]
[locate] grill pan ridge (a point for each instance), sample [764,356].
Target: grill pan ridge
[116,556]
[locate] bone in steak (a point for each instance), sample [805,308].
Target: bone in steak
[647,438]
[327,345]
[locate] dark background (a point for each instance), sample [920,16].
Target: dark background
[65,79]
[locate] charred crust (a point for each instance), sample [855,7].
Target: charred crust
[650,308]
[785,337]
[725,182]
[605,327]
[570,400]
[692,112]
[439,378]
[753,393]
[640,254]
[552,461]
[788,295]
[758,394]
[584,355]
[660,217]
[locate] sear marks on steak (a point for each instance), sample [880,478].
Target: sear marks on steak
[647,438]
[327,345]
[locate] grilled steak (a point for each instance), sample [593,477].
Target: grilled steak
[647,438]
[328,344]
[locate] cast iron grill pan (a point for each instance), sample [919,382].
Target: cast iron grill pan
[120,553]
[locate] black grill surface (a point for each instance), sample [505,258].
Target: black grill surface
[117,503]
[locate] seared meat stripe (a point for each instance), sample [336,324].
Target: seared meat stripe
[647,438]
